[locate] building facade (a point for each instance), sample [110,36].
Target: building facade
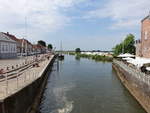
[138,48]
[24,47]
[143,45]
[8,47]
[18,41]
[27,47]
[39,49]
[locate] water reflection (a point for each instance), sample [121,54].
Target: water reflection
[77,58]
[86,86]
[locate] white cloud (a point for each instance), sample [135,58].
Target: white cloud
[124,13]
[42,15]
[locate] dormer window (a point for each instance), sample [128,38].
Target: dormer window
[145,35]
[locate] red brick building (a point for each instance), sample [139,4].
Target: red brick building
[143,45]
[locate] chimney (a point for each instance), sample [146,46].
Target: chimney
[7,33]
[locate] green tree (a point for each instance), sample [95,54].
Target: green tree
[77,50]
[117,49]
[50,47]
[127,46]
[41,42]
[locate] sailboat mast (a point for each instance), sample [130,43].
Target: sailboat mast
[22,47]
[26,32]
[61,48]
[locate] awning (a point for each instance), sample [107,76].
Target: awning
[128,58]
[126,55]
[139,62]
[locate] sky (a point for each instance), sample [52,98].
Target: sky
[87,24]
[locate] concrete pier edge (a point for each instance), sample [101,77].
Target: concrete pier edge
[35,106]
[27,100]
[135,93]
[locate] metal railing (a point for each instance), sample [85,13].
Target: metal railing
[11,82]
[134,72]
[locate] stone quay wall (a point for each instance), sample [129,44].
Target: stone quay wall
[135,81]
[28,98]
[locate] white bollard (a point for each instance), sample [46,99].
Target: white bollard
[6,80]
[17,79]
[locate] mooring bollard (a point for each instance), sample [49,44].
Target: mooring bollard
[17,79]
[7,68]
[12,67]
[6,79]
[24,76]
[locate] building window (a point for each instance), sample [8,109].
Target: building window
[6,48]
[14,48]
[3,48]
[11,48]
[145,35]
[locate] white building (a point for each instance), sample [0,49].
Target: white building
[8,47]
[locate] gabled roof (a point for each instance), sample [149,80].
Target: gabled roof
[4,37]
[17,39]
[12,37]
[26,41]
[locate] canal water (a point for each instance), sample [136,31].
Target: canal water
[86,86]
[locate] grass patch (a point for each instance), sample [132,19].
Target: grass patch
[93,57]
